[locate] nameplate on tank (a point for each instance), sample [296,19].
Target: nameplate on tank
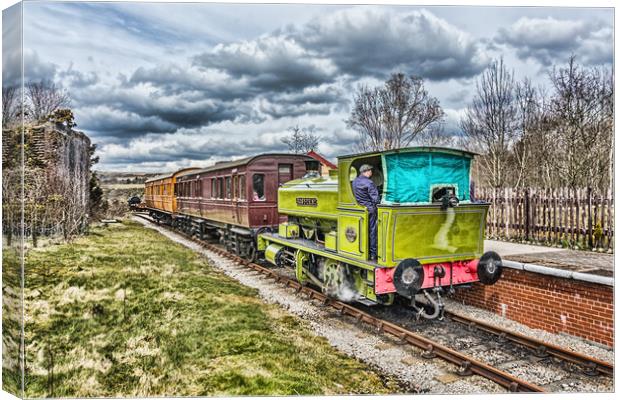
[306,201]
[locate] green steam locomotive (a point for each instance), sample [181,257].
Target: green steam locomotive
[430,230]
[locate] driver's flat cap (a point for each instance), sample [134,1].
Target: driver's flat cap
[365,167]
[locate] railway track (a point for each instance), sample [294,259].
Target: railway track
[589,365]
[467,365]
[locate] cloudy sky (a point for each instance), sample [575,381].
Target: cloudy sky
[162,85]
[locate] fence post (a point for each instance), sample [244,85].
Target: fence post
[527,213]
[590,241]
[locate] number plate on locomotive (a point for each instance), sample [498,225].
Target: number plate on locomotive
[306,201]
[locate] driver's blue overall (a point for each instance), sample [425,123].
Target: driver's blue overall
[367,195]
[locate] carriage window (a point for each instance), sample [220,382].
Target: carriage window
[242,187]
[235,187]
[213,188]
[285,173]
[258,187]
[220,188]
[228,187]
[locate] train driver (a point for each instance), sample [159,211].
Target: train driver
[367,195]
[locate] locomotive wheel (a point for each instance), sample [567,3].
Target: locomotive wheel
[489,268]
[337,281]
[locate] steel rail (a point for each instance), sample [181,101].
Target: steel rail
[590,365]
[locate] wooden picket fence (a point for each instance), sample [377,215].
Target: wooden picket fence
[575,218]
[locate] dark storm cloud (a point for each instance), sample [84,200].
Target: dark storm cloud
[359,41]
[550,40]
[133,119]
[147,107]
[277,110]
[78,79]
[35,69]
[272,63]
[170,148]
[375,41]
[175,79]
[194,96]
[114,122]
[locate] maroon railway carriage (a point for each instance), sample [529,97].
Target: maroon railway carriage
[235,200]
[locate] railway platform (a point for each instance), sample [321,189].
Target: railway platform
[581,265]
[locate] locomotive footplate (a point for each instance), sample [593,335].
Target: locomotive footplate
[312,247]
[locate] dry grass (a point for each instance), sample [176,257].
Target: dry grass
[11,316]
[126,312]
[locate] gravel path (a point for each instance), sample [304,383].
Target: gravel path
[380,352]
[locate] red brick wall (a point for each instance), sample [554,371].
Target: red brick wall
[554,304]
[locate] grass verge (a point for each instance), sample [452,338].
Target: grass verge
[126,312]
[11,319]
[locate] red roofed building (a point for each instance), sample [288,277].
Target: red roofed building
[326,165]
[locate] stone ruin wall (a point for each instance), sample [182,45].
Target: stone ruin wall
[53,152]
[64,154]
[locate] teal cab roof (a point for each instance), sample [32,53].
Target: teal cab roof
[411,174]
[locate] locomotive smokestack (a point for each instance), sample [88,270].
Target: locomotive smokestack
[312,168]
[312,165]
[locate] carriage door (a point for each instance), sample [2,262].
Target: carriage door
[235,195]
[285,173]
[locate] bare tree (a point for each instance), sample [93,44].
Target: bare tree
[302,140]
[11,202]
[310,140]
[392,116]
[436,135]
[581,109]
[490,121]
[367,118]
[530,150]
[10,105]
[45,97]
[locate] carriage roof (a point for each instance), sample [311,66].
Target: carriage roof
[181,172]
[243,161]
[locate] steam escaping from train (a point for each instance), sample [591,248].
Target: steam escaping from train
[346,293]
[337,283]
